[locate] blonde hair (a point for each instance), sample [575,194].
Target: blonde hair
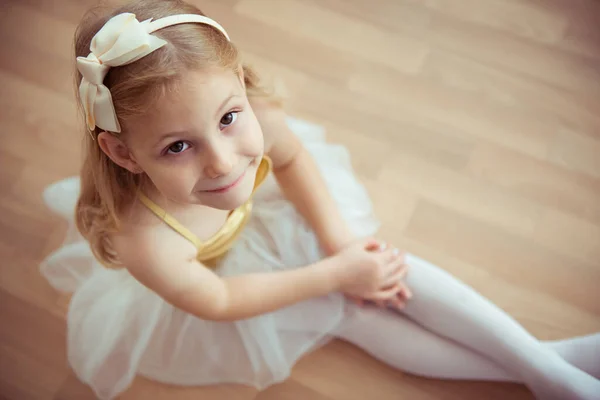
[108,190]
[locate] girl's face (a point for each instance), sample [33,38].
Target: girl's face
[202,143]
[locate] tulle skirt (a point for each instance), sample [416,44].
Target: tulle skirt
[118,328]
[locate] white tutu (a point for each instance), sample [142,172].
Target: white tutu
[117,328]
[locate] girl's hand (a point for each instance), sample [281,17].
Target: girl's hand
[398,302]
[368,271]
[395,283]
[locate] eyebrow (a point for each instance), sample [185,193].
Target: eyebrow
[231,96]
[168,135]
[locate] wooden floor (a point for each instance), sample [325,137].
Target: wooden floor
[475,125]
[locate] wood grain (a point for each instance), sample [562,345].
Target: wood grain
[475,126]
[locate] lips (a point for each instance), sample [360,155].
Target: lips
[225,188]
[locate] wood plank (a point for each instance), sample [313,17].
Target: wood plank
[576,151]
[338,32]
[10,168]
[283,46]
[33,364]
[474,126]
[69,11]
[24,60]
[557,106]
[143,389]
[21,224]
[570,236]
[471,32]
[73,389]
[464,194]
[513,17]
[47,35]
[582,35]
[544,315]
[538,62]
[35,105]
[549,185]
[517,261]
[286,82]
[465,111]
[380,121]
[291,390]
[333,368]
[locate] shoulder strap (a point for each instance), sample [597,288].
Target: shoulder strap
[169,220]
[263,171]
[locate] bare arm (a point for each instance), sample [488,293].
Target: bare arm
[170,270]
[249,295]
[301,181]
[303,185]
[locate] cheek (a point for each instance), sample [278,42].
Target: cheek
[174,180]
[251,137]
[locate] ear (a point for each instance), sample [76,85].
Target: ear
[118,152]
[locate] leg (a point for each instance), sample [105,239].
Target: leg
[419,351]
[582,352]
[407,346]
[449,308]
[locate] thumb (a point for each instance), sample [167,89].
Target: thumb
[373,244]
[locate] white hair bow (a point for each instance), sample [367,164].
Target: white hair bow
[122,40]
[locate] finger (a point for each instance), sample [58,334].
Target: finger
[383,260]
[395,267]
[391,254]
[392,262]
[406,292]
[357,300]
[381,303]
[377,246]
[400,300]
[385,294]
[396,276]
[398,303]
[395,254]
[373,244]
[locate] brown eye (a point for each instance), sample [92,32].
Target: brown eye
[228,118]
[178,147]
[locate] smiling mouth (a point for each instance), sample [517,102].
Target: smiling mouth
[224,189]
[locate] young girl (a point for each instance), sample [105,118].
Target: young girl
[223,240]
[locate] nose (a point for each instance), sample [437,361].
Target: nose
[219,162]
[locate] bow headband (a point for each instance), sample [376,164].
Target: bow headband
[122,40]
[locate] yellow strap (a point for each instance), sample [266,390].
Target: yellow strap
[172,222]
[228,232]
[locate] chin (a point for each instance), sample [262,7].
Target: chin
[227,203]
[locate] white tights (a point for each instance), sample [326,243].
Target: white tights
[451,332]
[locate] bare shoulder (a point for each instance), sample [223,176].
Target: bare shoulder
[281,144]
[151,251]
[166,263]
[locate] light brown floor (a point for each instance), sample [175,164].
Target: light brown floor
[475,125]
